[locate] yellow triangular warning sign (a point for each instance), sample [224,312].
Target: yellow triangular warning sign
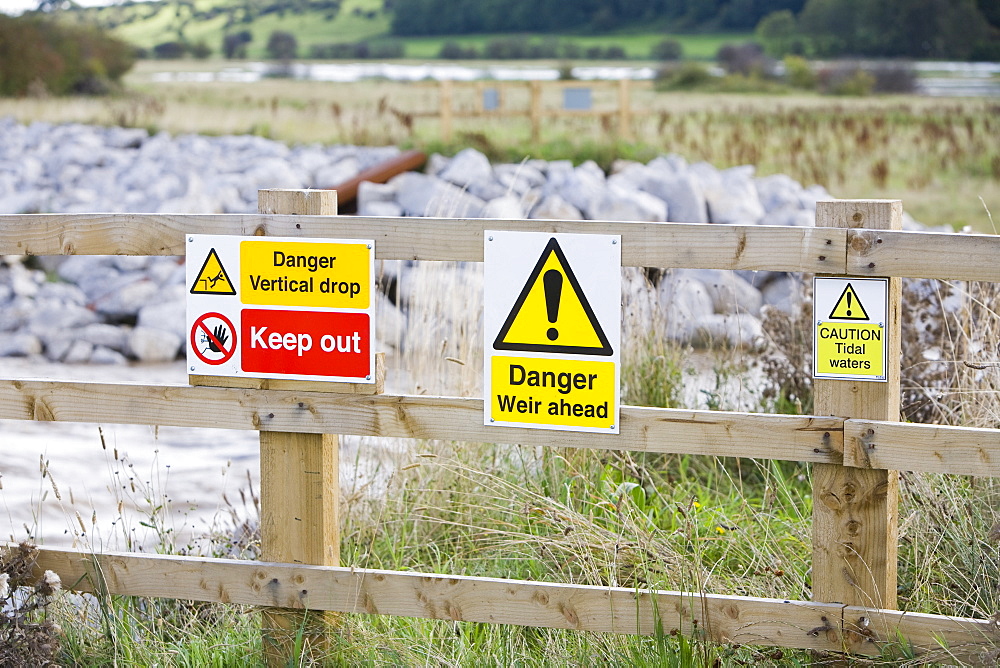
[848,306]
[212,279]
[552,314]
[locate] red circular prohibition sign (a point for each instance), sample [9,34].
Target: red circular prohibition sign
[213,338]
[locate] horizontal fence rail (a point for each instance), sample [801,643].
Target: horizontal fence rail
[721,618]
[689,245]
[666,430]
[922,447]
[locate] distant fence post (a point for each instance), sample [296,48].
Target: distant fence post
[624,109]
[855,510]
[446,110]
[536,110]
[299,484]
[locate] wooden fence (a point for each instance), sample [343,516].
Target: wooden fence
[855,445]
[493,100]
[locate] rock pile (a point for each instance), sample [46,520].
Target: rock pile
[113,309]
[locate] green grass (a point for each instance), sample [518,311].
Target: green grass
[636,45]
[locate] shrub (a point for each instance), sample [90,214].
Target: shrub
[455,51]
[282,45]
[235,45]
[894,78]
[688,76]
[744,59]
[169,50]
[200,50]
[850,80]
[668,49]
[38,53]
[799,73]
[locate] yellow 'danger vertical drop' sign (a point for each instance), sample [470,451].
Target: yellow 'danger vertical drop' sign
[850,339]
[552,331]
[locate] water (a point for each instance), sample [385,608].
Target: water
[936,79]
[109,479]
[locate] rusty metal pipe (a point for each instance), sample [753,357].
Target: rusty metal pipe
[347,191]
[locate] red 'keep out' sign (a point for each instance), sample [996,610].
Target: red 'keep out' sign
[306,342]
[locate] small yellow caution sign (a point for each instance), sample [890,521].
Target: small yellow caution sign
[850,337]
[849,307]
[552,314]
[212,279]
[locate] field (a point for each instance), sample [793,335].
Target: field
[356,21]
[939,156]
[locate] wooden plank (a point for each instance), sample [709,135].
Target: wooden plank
[855,523]
[731,619]
[922,447]
[643,244]
[299,484]
[378,387]
[718,433]
[625,110]
[937,638]
[954,257]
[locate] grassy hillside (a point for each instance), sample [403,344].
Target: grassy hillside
[320,22]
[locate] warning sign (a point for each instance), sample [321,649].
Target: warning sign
[555,301]
[850,340]
[290,273]
[213,338]
[849,307]
[552,313]
[275,307]
[553,392]
[212,279]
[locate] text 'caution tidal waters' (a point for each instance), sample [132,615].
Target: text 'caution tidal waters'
[850,338]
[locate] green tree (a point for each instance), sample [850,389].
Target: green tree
[282,45]
[779,34]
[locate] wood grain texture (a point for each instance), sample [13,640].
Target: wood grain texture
[855,525]
[297,202]
[643,244]
[718,433]
[378,387]
[940,640]
[299,483]
[730,619]
[922,447]
[957,257]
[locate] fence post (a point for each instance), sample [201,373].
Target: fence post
[299,484]
[624,109]
[446,110]
[855,510]
[536,110]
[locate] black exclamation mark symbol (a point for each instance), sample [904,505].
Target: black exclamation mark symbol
[552,282]
[848,295]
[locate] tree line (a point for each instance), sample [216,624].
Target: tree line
[455,17]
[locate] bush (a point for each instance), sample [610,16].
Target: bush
[282,45]
[200,50]
[688,76]
[39,54]
[799,73]
[848,80]
[668,49]
[235,44]
[745,59]
[455,51]
[894,78]
[169,50]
